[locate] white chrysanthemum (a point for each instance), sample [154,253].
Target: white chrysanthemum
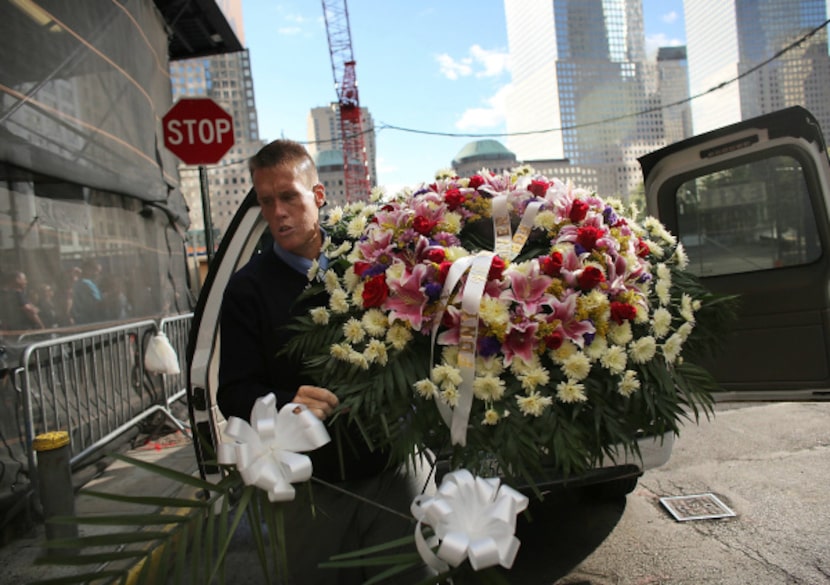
[672,347]
[681,257]
[642,314]
[686,308]
[642,350]
[426,388]
[663,272]
[335,216]
[488,388]
[546,220]
[661,323]
[319,315]
[491,417]
[356,227]
[375,352]
[654,248]
[663,291]
[357,358]
[615,359]
[350,278]
[493,312]
[599,345]
[330,280]
[629,383]
[533,404]
[377,194]
[453,253]
[571,391]
[451,223]
[340,351]
[374,322]
[357,295]
[343,248]
[445,173]
[564,351]
[396,271]
[444,374]
[620,334]
[684,331]
[537,376]
[577,366]
[398,336]
[520,366]
[311,274]
[594,300]
[449,395]
[339,301]
[449,355]
[523,268]
[492,365]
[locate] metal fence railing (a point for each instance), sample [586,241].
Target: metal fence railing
[92,385]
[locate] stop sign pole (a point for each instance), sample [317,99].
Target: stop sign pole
[199,132]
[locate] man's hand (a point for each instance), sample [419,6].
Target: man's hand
[319,401]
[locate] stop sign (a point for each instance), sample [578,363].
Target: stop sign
[198,131]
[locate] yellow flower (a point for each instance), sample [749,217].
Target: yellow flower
[546,220]
[488,388]
[330,281]
[358,359]
[566,350]
[492,365]
[340,351]
[686,308]
[444,375]
[451,223]
[375,352]
[494,312]
[350,279]
[538,376]
[620,334]
[533,404]
[335,216]
[615,359]
[356,227]
[449,395]
[672,347]
[663,288]
[571,391]
[661,323]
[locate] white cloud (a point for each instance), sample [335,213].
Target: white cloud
[485,117]
[289,30]
[670,17]
[452,69]
[654,42]
[481,62]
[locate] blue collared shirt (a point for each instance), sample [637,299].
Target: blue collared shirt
[299,263]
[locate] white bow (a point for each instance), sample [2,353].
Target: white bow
[265,451]
[472,518]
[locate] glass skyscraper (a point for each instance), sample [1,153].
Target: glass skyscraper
[579,73]
[728,38]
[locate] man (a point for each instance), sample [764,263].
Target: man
[259,301]
[17,312]
[87,301]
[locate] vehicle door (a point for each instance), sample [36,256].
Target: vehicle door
[749,202]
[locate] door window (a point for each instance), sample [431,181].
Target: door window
[756,216]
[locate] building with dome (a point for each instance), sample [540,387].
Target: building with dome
[483,154]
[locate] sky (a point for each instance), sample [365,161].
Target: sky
[438,66]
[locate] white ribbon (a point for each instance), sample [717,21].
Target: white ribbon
[507,246]
[473,518]
[265,451]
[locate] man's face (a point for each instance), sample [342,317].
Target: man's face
[290,203]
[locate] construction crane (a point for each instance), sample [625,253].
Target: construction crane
[355,167]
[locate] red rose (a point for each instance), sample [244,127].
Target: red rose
[361,267]
[590,277]
[579,209]
[538,188]
[476,181]
[622,312]
[443,270]
[642,249]
[436,255]
[551,265]
[375,291]
[554,340]
[588,235]
[496,268]
[454,199]
[422,225]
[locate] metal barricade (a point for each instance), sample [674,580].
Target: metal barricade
[94,386]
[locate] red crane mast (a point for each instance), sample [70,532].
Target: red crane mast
[355,167]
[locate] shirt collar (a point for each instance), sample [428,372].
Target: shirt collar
[299,263]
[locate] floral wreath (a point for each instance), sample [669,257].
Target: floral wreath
[508,320]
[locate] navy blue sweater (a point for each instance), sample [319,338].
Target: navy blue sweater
[258,302]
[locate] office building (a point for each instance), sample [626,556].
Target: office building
[673,89]
[733,38]
[579,73]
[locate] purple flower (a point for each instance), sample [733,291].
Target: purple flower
[433,290]
[609,215]
[374,270]
[488,346]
